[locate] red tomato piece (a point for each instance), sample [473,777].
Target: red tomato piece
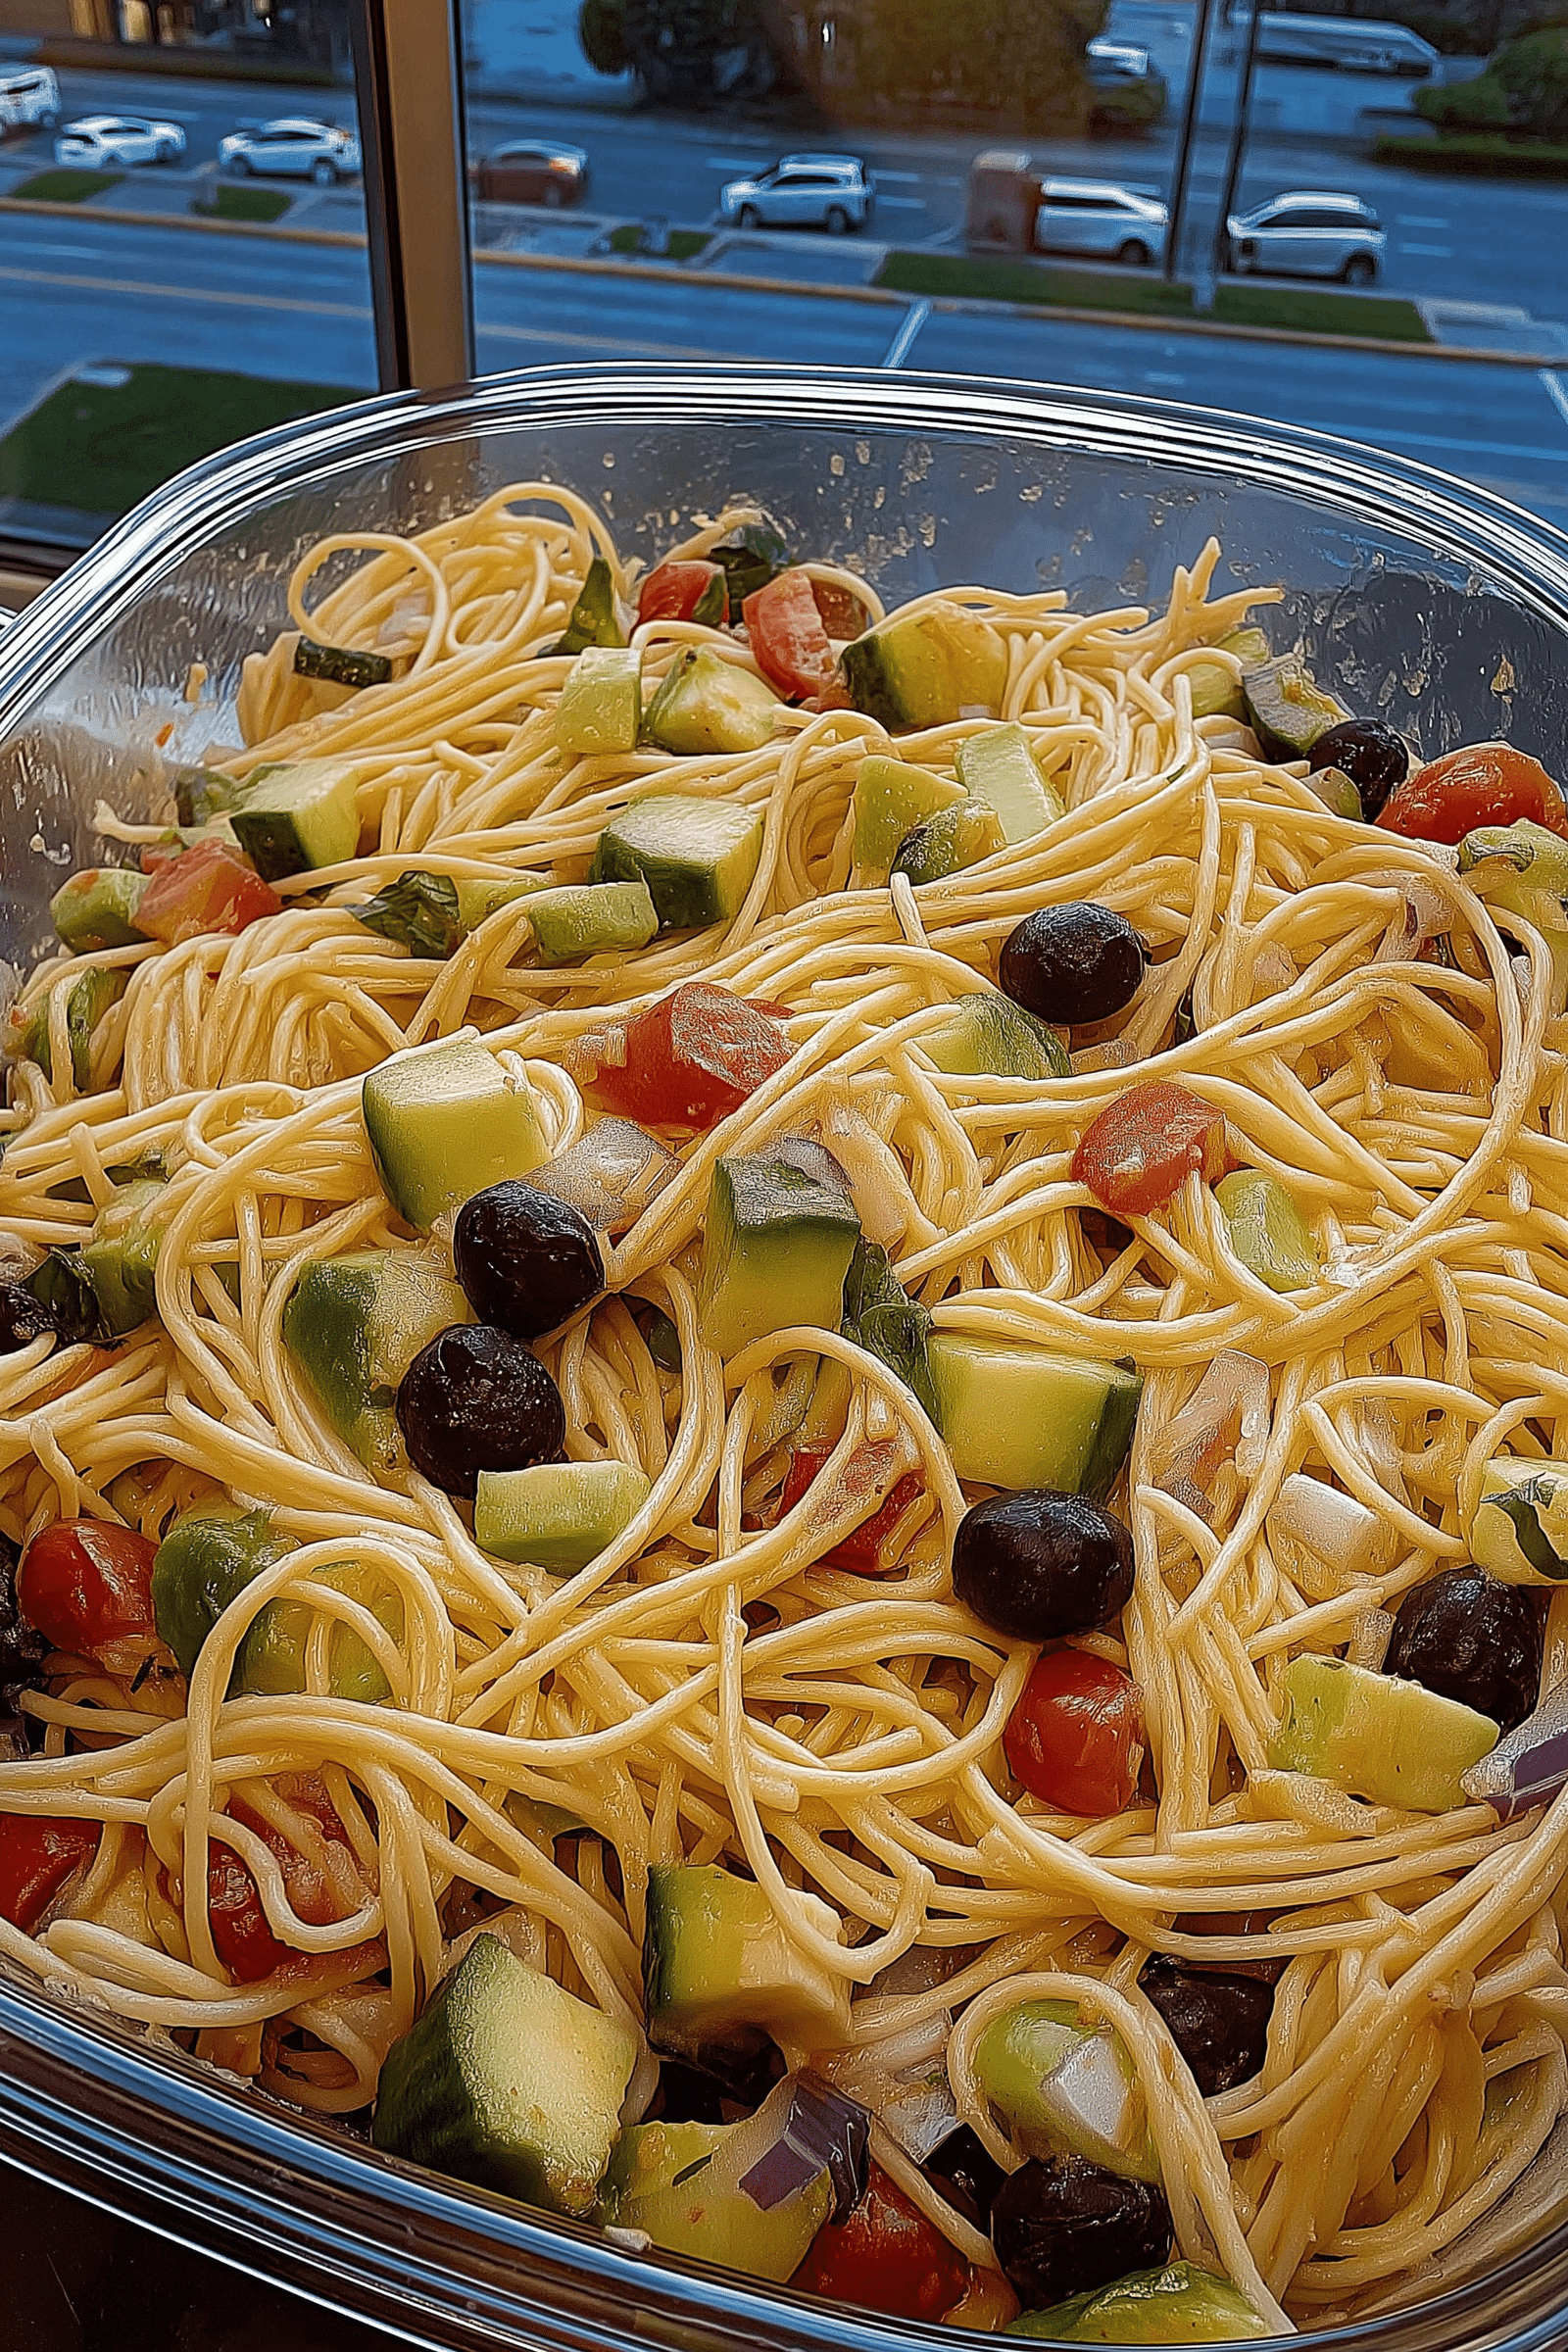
[1076,1737]
[673,591]
[38,1853]
[1134,1157]
[211,888]
[156,854]
[244,1940]
[842,615]
[861,1552]
[690,1059]
[885,2256]
[1481,784]
[786,636]
[86,1585]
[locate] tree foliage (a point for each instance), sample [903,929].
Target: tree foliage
[602,33]
[1523,89]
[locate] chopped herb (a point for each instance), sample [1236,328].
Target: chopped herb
[753,557]
[880,1314]
[593,616]
[419,911]
[340,665]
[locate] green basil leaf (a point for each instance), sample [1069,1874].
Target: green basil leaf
[419,911]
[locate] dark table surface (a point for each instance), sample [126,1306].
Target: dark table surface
[76,2280]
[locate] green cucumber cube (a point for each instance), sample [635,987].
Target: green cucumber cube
[272,1657]
[477,900]
[681,2182]
[1288,709]
[782,1231]
[205,1562]
[1268,1231]
[1016,1415]
[1248,643]
[715,1960]
[925,668]
[998,766]
[1520,1527]
[1216,690]
[988,1036]
[1373,1735]
[98,909]
[121,1260]
[444,1122]
[557,1515]
[1177,2305]
[948,842]
[1067,2087]
[706,704]
[698,857]
[509,2081]
[601,706]
[299,816]
[354,1324]
[591,918]
[891,797]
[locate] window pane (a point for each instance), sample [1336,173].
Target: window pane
[949,119]
[174,272]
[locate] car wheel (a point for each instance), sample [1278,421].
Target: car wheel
[749,216]
[1133,254]
[166,151]
[325,173]
[836,221]
[551,196]
[1360,270]
[240,166]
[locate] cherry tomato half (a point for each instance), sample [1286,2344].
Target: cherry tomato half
[86,1585]
[788,638]
[1481,784]
[842,615]
[885,2256]
[860,1552]
[209,888]
[1075,1738]
[1134,1157]
[38,1853]
[243,1939]
[676,592]
[690,1059]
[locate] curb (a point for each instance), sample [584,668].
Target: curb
[886,297]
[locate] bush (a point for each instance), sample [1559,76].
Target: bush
[1130,105]
[1523,89]
[602,33]
[1480,105]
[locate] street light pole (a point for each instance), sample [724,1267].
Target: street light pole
[1237,145]
[1184,143]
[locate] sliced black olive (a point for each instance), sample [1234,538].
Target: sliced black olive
[1073,965]
[23,1652]
[478,1399]
[963,2169]
[1219,2023]
[23,1317]
[526,1260]
[1067,2226]
[1469,1637]
[1038,1565]
[722,2083]
[1370,753]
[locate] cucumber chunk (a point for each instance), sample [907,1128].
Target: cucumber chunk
[507,2081]
[1248,643]
[601,706]
[1375,1736]
[1016,1415]
[891,797]
[98,909]
[477,900]
[715,1962]
[1520,1527]
[1288,708]
[925,668]
[121,1260]
[354,1324]
[999,768]
[988,1036]
[301,815]
[1216,692]
[557,1515]
[1177,2305]
[205,1562]
[782,1231]
[87,1000]
[697,856]
[706,704]
[591,918]
[1067,2088]
[682,2182]
[1268,1233]
[272,1657]
[948,842]
[202,792]
[1337,791]
[444,1122]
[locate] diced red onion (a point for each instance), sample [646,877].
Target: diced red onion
[1226,1418]
[1428,910]
[1324,1538]
[1527,1768]
[821,2130]
[610,1174]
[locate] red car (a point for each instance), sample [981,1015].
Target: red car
[531,172]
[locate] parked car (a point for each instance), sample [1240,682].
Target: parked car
[835,192]
[28,95]
[1096,217]
[1309,232]
[294,147]
[1354,45]
[1122,60]
[531,172]
[100,139]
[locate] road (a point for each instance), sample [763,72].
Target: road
[97,289]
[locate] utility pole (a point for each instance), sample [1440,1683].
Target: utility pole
[1238,147]
[1184,143]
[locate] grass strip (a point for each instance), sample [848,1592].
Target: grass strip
[684,243]
[1487,154]
[227,203]
[66,186]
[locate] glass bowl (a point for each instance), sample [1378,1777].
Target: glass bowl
[1437,607]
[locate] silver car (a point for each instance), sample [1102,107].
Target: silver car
[1309,232]
[1096,217]
[99,139]
[835,192]
[294,147]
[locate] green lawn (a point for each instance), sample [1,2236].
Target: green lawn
[66,187]
[241,204]
[99,447]
[1309,310]
[1488,154]
[684,243]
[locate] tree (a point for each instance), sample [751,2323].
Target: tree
[601,31]
[1524,88]
[682,51]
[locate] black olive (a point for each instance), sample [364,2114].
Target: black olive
[1370,753]
[963,2169]
[1068,2226]
[478,1399]
[721,2083]
[1037,1565]
[1468,1637]
[1074,963]
[22,1652]
[1219,2023]
[526,1260]
[23,1317]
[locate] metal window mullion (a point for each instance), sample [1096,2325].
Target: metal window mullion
[409,82]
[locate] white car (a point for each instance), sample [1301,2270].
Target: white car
[1099,217]
[835,192]
[292,148]
[1125,61]
[1309,232]
[28,95]
[99,139]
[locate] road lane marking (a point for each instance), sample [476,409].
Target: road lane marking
[1439,253]
[1419,221]
[914,317]
[219,294]
[1552,386]
[736,162]
[914,177]
[901,203]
